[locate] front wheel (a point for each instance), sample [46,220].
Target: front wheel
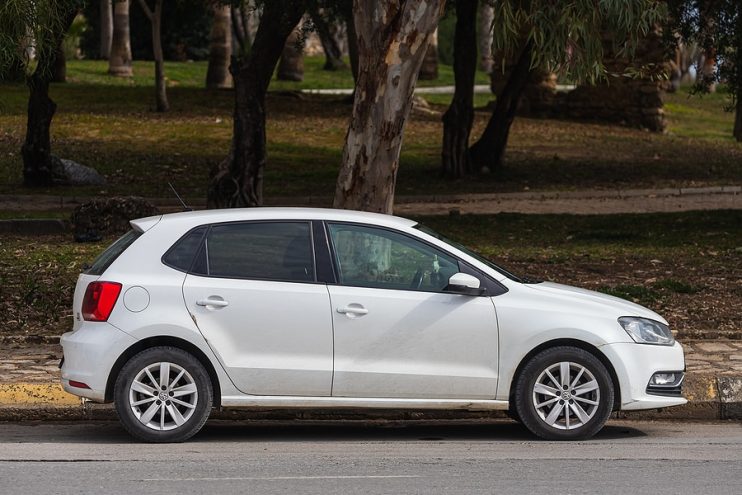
[163,394]
[564,393]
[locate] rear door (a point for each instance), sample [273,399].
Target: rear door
[253,294]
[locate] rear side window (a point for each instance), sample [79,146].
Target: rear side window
[104,260]
[181,255]
[260,250]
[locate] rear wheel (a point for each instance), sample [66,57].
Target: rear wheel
[564,393]
[163,394]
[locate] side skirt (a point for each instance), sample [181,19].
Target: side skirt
[274,401]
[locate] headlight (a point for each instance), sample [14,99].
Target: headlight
[645,331]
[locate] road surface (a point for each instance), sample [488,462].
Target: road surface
[497,457]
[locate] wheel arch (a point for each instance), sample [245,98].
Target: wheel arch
[580,344]
[158,341]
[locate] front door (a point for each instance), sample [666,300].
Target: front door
[255,299]
[398,334]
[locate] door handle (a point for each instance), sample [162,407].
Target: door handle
[353,310]
[211,301]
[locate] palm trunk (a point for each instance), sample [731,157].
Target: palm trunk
[106,28]
[458,119]
[291,66]
[489,150]
[40,168]
[238,180]
[392,41]
[119,60]
[220,49]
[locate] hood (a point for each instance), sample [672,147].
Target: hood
[601,302]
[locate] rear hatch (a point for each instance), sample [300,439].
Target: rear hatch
[99,266]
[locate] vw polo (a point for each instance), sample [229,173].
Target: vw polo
[313,308]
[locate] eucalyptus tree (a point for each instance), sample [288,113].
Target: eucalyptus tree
[392,39]
[220,49]
[560,36]
[40,24]
[716,26]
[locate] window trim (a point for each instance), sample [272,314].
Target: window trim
[494,288]
[204,247]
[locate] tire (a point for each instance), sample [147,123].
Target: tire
[568,415]
[172,414]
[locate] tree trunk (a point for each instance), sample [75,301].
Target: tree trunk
[220,49]
[738,116]
[155,21]
[291,66]
[392,40]
[119,60]
[458,119]
[106,28]
[59,72]
[333,55]
[40,168]
[486,16]
[429,69]
[350,28]
[238,180]
[489,150]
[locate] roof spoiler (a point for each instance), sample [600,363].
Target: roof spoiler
[144,224]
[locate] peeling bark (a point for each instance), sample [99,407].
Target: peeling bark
[238,180]
[458,119]
[393,37]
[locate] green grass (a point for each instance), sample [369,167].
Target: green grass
[109,123]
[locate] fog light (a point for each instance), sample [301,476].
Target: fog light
[666,379]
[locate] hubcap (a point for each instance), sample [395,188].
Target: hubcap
[566,395]
[163,396]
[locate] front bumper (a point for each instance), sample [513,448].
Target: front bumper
[89,355]
[635,364]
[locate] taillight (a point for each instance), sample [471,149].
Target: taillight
[99,300]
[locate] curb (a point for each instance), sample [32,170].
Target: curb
[710,398]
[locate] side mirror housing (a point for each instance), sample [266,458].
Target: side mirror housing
[462,283]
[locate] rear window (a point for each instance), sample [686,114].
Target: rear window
[104,260]
[259,250]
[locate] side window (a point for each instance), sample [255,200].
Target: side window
[181,255]
[372,257]
[262,250]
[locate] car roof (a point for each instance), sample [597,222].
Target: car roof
[194,218]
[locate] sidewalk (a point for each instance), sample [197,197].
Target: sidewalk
[30,390]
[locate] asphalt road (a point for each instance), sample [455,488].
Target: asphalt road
[498,457]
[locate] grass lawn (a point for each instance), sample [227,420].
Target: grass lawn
[108,123]
[687,266]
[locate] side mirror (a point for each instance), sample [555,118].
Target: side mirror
[461,283]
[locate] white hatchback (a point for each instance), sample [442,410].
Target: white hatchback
[311,308]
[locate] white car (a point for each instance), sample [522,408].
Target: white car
[313,308]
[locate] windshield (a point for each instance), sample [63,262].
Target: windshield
[475,255]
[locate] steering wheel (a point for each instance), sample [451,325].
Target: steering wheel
[417,279]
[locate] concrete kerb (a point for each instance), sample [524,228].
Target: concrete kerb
[709,397]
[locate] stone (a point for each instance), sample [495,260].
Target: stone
[714,347]
[106,216]
[81,175]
